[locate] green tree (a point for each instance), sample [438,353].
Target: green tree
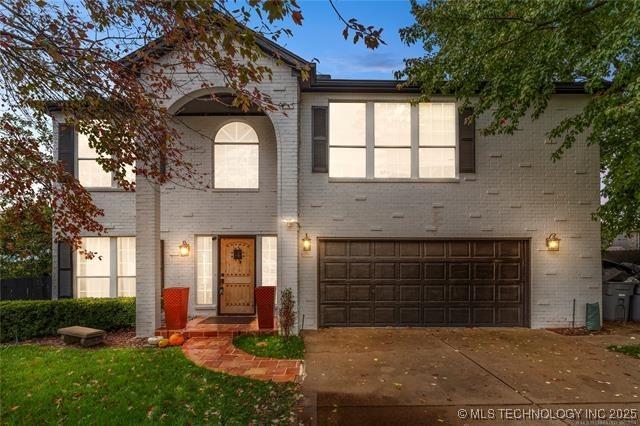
[25,251]
[504,56]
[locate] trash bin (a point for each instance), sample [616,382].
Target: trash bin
[176,307]
[634,314]
[265,303]
[616,298]
[593,317]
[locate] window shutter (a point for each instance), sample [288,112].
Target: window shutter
[65,270]
[67,147]
[320,140]
[467,143]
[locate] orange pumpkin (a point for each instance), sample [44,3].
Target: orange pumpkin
[176,339]
[163,343]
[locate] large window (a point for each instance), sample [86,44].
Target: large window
[236,157]
[347,140]
[90,173]
[269,258]
[204,270]
[392,140]
[94,277]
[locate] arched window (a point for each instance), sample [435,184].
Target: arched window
[236,157]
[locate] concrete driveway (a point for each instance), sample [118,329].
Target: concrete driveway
[425,376]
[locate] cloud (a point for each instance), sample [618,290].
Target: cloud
[373,63]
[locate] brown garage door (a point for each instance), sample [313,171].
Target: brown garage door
[365,283]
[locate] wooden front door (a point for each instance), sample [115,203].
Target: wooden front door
[237,275]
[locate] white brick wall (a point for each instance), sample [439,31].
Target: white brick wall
[517,191]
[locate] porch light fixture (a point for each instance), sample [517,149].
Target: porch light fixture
[553,242]
[306,243]
[184,249]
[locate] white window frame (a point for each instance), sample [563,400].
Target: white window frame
[214,272]
[114,185]
[113,267]
[415,144]
[213,159]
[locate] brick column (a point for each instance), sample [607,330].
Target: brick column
[286,128]
[147,257]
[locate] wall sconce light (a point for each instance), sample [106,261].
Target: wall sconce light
[306,243]
[184,249]
[553,242]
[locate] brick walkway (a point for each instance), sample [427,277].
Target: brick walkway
[219,354]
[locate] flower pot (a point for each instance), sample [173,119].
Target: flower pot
[265,305]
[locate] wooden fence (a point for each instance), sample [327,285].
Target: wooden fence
[25,289]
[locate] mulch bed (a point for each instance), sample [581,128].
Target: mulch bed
[579,331]
[113,339]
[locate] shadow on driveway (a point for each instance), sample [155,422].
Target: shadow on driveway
[424,376]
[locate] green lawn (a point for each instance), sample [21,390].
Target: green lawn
[271,346]
[40,384]
[631,350]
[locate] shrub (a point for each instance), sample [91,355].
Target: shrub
[24,319]
[287,313]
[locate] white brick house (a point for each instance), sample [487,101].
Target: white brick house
[413,217]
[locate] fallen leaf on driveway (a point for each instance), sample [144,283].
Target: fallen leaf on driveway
[398,385]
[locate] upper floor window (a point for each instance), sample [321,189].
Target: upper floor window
[236,157]
[90,173]
[392,140]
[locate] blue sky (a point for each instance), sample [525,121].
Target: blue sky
[320,37]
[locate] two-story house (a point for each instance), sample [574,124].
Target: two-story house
[373,210]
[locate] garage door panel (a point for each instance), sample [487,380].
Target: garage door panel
[458,316]
[509,249]
[459,271]
[410,271]
[385,292]
[410,293]
[384,248]
[360,315]
[508,271]
[434,248]
[334,315]
[359,292]
[385,271]
[423,283]
[330,292]
[435,316]
[334,270]
[335,248]
[459,249]
[484,249]
[459,293]
[410,315]
[509,316]
[483,293]
[483,316]
[409,248]
[360,249]
[483,271]
[435,271]
[509,293]
[384,315]
[434,293]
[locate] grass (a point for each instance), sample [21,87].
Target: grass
[271,346]
[631,350]
[40,384]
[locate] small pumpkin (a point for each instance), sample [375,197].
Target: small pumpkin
[176,339]
[163,343]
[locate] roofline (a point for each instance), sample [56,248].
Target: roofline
[391,86]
